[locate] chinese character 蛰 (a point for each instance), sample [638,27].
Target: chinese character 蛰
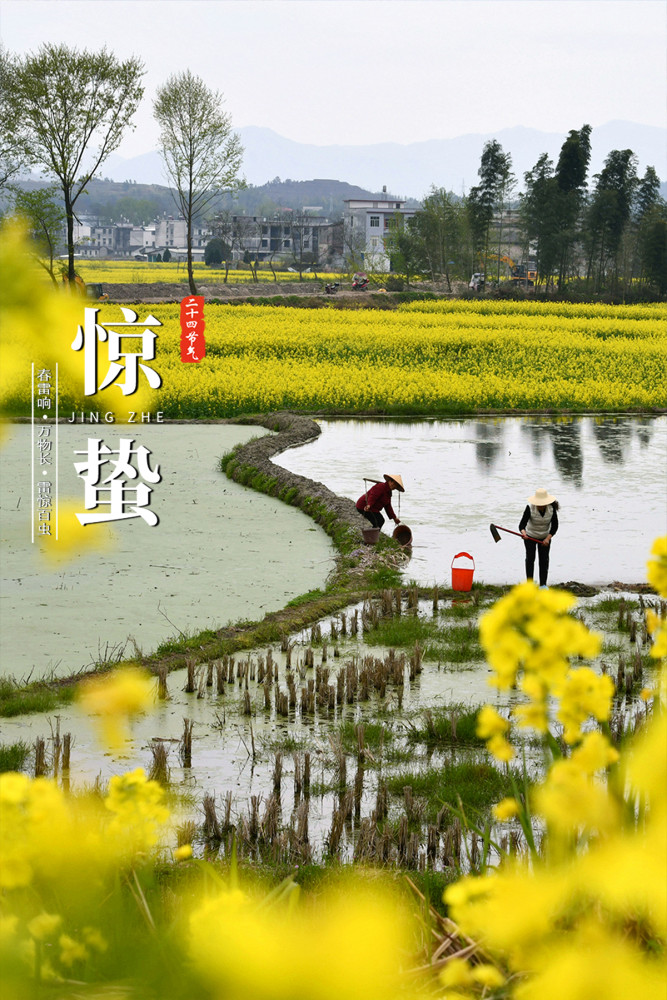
[112,492]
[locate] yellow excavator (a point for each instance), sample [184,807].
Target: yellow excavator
[520,274]
[91,291]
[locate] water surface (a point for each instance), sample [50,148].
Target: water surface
[608,473]
[221,552]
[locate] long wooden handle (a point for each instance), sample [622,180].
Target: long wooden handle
[509,531]
[366,487]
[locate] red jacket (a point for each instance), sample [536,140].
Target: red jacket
[379,498]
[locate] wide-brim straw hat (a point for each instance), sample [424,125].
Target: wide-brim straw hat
[398,481]
[542,498]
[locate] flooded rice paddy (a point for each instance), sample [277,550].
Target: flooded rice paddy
[608,473]
[343,741]
[220,553]
[344,725]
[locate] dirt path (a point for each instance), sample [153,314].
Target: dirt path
[163,291]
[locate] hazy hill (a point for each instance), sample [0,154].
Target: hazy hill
[409,170]
[115,201]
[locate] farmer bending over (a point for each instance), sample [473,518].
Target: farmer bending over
[378,498]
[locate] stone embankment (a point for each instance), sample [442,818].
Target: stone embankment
[251,465]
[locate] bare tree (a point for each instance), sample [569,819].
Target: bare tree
[304,244]
[201,152]
[246,240]
[74,108]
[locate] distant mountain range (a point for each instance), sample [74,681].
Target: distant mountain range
[409,170]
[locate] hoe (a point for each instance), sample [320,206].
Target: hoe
[495,528]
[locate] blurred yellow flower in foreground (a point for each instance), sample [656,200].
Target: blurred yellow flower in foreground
[505,809]
[492,727]
[530,630]
[44,925]
[115,698]
[656,569]
[38,324]
[137,805]
[183,853]
[74,539]
[348,943]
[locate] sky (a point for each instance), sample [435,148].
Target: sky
[354,72]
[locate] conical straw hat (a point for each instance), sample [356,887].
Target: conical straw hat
[541,498]
[398,481]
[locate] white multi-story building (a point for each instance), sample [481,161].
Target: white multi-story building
[366,224]
[97,241]
[291,236]
[142,240]
[173,233]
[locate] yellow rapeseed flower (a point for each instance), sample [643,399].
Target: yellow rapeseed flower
[115,698]
[500,748]
[488,976]
[594,753]
[571,801]
[347,943]
[656,569]
[490,723]
[71,951]
[532,715]
[137,806]
[182,853]
[530,631]
[492,727]
[456,972]
[511,909]
[505,809]
[44,925]
[657,627]
[584,693]
[94,939]
[592,962]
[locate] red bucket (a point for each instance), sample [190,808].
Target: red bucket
[462,577]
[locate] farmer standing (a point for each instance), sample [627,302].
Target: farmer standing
[538,526]
[378,499]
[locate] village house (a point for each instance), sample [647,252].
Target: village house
[366,224]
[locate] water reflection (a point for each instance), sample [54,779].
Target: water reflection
[644,431]
[613,436]
[536,434]
[489,443]
[567,450]
[460,475]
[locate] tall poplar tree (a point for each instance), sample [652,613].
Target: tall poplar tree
[571,172]
[488,197]
[609,213]
[201,152]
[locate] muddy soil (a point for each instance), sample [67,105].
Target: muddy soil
[170,292]
[163,291]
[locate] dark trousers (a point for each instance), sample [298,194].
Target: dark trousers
[543,559]
[375,517]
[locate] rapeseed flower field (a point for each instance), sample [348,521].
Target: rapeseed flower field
[176,272]
[424,357]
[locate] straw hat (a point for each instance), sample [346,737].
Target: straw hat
[398,481]
[542,497]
